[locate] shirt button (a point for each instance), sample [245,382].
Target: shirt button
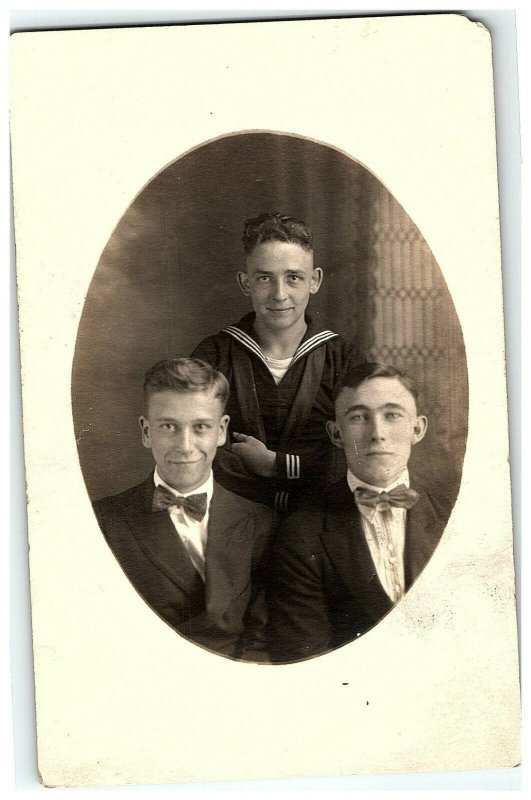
[392,560]
[398,588]
[390,547]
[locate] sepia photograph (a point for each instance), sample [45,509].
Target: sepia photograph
[260,300]
[297,312]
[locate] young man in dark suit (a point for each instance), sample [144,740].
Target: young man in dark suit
[341,564]
[192,549]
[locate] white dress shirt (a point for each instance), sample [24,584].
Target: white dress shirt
[385,532]
[193,534]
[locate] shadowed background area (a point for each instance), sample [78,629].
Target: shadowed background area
[166,279]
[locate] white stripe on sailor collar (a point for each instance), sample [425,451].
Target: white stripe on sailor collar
[303,349]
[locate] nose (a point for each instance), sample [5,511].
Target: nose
[183,441]
[378,429]
[279,290]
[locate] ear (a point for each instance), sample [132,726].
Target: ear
[316,281]
[144,427]
[419,429]
[334,433]
[222,433]
[243,283]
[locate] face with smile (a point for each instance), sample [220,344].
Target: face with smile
[280,278]
[183,430]
[376,425]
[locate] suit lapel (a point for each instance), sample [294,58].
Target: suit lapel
[156,535]
[423,531]
[344,541]
[228,552]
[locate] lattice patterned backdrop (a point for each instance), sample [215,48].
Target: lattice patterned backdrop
[414,325]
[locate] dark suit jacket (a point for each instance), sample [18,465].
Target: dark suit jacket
[325,590]
[226,613]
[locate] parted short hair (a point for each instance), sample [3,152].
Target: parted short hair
[185,375]
[275,227]
[355,374]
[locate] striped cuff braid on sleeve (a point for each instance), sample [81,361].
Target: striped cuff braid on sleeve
[281,501]
[288,466]
[293,466]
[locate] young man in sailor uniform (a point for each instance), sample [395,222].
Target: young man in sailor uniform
[343,561]
[282,368]
[193,550]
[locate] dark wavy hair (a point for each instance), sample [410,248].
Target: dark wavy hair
[355,374]
[275,227]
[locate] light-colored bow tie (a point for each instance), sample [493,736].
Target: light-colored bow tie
[195,505]
[399,497]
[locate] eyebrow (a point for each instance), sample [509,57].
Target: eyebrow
[388,406]
[179,422]
[291,271]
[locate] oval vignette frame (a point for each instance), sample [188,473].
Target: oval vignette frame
[166,279]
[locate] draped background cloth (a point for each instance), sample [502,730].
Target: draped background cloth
[166,279]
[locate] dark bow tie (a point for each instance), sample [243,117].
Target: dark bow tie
[399,497]
[195,505]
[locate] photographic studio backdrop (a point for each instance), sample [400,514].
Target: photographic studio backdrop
[167,279]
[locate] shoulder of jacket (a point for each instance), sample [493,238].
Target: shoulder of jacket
[245,505]
[344,349]
[114,501]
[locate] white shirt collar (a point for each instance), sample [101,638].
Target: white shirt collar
[354,482]
[207,486]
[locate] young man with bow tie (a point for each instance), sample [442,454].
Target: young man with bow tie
[192,549]
[341,565]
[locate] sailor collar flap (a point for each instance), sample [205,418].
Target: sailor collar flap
[310,341]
